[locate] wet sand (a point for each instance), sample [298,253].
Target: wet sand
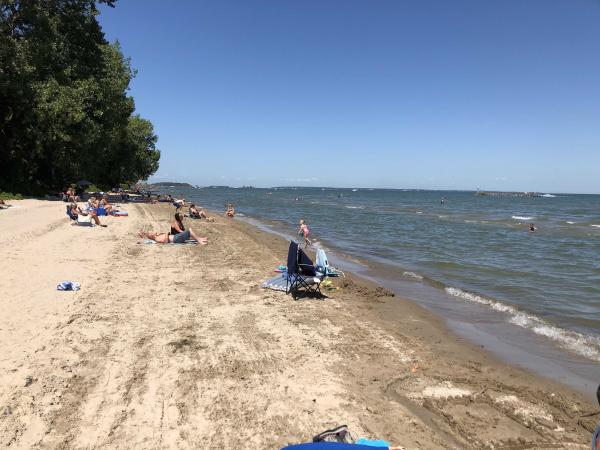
[174,346]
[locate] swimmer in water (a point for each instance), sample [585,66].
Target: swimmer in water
[532,227]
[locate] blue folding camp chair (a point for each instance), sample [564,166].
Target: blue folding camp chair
[301,274]
[74,219]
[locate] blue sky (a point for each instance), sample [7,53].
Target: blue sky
[422,94]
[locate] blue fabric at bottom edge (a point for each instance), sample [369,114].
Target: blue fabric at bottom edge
[329,445]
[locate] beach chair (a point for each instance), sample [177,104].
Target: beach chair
[87,222]
[322,265]
[301,274]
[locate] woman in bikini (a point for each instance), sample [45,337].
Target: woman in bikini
[178,234]
[177,225]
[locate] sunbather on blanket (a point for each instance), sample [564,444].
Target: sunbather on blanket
[167,238]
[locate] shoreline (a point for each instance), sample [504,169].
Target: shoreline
[543,357]
[167,345]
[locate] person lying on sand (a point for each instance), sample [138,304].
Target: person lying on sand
[167,238]
[76,212]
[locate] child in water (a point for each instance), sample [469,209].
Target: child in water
[304,232]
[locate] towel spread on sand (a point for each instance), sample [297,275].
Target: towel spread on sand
[68,286]
[277,283]
[189,242]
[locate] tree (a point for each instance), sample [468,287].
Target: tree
[64,109]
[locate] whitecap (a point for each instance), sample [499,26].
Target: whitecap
[419,212]
[594,225]
[354,207]
[522,218]
[584,345]
[570,222]
[548,195]
[412,275]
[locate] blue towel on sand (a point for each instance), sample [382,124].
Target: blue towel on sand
[68,286]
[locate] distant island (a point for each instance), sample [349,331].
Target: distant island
[171,183]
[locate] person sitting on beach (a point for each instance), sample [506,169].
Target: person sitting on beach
[92,203]
[76,213]
[230,212]
[304,232]
[104,203]
[177,225]
[196,213]
[167,238]
[3,204]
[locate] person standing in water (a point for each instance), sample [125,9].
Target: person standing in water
[304,232]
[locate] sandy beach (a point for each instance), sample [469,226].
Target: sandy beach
[169,346]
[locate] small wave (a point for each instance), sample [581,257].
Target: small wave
[548,195]
[471,221]
[354,207]
[522,218]
[594,225]
[412,275]
[587,346]
[570,222]
[419,212]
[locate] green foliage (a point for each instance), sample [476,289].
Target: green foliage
[9,196]
[64,109]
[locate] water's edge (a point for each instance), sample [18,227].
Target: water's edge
[472,321]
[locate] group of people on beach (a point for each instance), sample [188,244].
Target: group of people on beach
[90,210]
[178,234]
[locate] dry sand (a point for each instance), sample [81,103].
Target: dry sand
[171,346]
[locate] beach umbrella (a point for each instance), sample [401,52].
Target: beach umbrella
[84,183]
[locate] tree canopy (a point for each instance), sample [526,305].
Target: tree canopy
[65,112]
